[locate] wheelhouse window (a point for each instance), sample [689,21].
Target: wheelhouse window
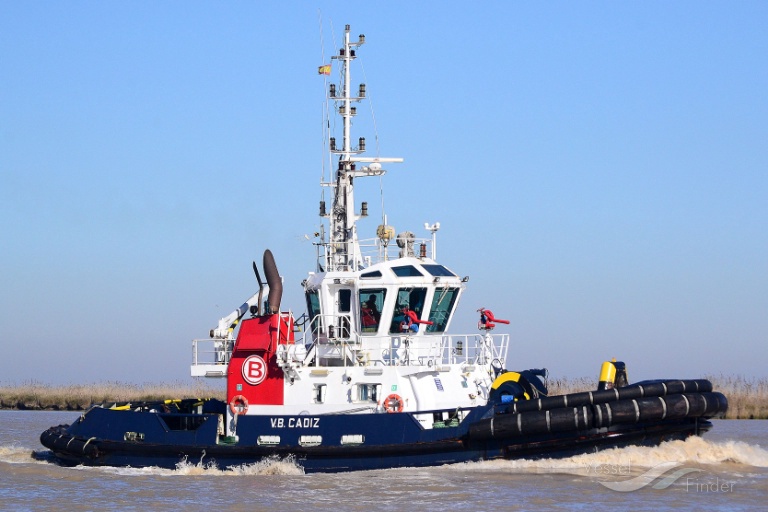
[313,310]
[407,271]
[345,300]
[442,305]
[438,270]
[371,303]
[345,306]
[410,301]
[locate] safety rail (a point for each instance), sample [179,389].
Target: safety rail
[373,250]
[404,350]
[331,337]
[333,329]
[211,356]
[475,348]
[467,349]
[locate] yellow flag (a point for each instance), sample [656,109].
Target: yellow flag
[324,70]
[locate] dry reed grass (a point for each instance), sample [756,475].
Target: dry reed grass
[565,385]
[747,397]
[76,397]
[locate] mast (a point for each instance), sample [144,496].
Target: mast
[343,251]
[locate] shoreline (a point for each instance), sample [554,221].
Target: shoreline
[747,397]
[37,396]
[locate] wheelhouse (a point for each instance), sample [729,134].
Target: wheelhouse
[403,297]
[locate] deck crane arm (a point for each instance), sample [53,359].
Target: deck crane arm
[226,327]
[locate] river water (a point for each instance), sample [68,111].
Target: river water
[726,470]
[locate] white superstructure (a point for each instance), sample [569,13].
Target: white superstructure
[378,310]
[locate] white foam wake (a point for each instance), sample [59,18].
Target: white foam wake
[694,450]
[266,466]
[13,454]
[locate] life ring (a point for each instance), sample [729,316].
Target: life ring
[238,405]
[393,403]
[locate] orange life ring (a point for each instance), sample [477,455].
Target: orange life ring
[238,405]
[393,403]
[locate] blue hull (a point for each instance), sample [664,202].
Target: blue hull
[104,437]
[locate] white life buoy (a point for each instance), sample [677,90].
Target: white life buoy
[393,403]
[238,405]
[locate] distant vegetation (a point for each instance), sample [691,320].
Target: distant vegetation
[38,396]
[747,398]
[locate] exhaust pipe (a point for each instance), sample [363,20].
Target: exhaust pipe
[274,282]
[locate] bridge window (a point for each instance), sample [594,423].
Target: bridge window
[345,306]
[408,299]
[438,270]
[371,303]
[442,305]
[407,271]
[345,300]
[313,310]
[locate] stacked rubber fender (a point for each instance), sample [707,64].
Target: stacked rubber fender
[57,439]
[649,401]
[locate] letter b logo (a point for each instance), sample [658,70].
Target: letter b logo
[254,370]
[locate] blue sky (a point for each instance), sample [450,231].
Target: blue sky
[599,169]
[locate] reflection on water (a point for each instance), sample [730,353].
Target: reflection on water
[728,470]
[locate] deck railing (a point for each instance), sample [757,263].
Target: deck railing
[372,251]
[427,350]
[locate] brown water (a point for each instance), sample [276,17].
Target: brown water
[727,470]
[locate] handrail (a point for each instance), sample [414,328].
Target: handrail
[405,350]
[218,353]
[395,350]
[333,328]
[372,250]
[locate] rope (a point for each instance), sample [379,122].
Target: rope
[86,443]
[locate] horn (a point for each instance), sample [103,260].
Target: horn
[274,282]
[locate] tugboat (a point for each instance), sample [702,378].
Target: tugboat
[369,378]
